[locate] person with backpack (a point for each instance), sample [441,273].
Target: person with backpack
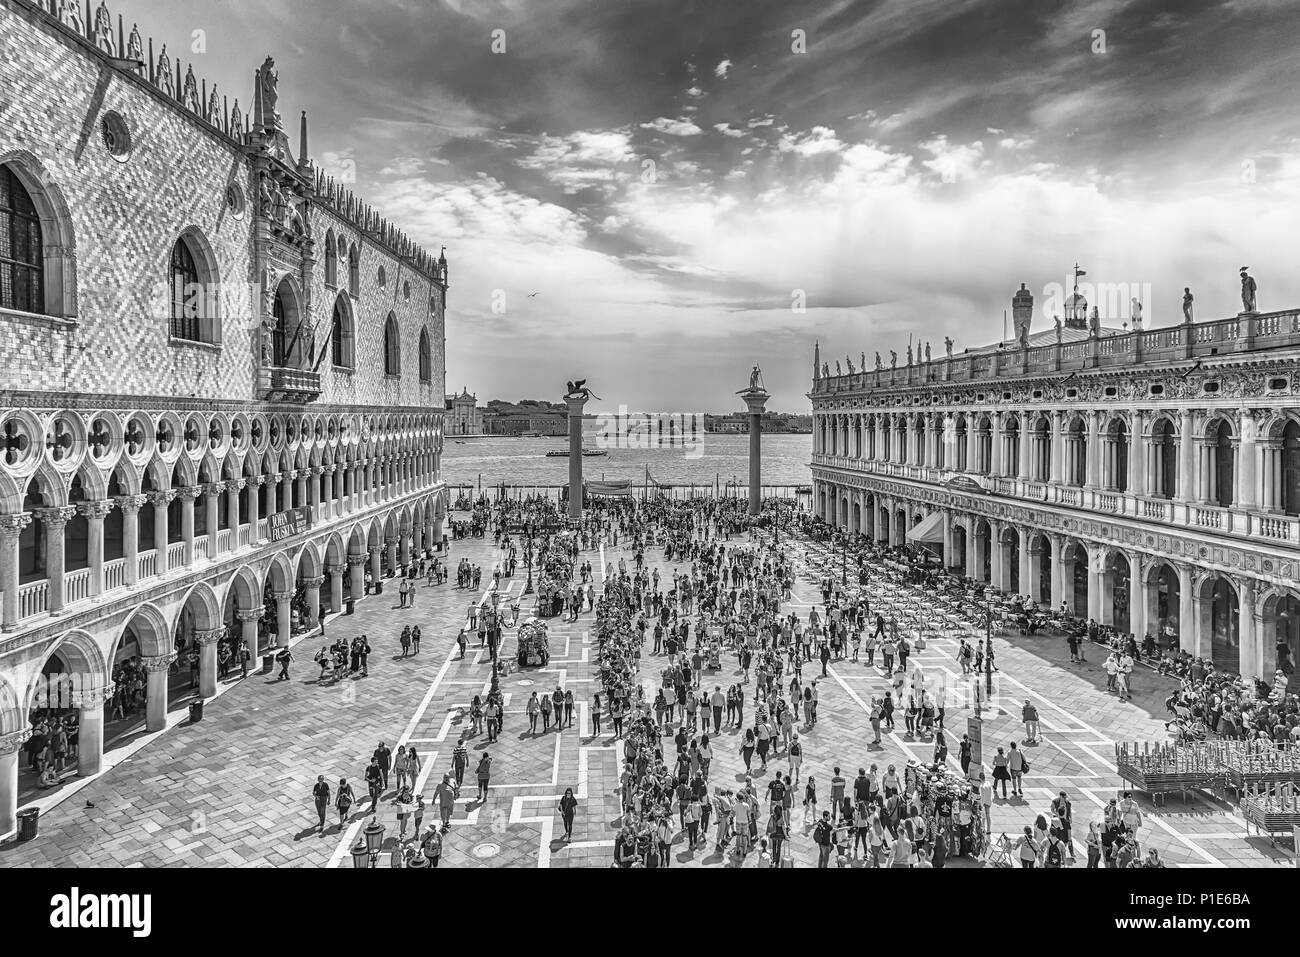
[824,837]
[284,658]
[1018,767]
[1028,849]
[343,801]
[484,775]
[431,845]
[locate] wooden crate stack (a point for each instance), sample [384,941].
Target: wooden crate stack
[1162,768]
[1272,809]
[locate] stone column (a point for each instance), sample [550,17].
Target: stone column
[1026,440]
[312,586]
[272,485]
[249,619]
[972,553]
[1252,658]
[1058,449]
[304,493]
[187,496]
[211,508]
[283,623]
[1186,459]
[11,527]
[390,545]
[995,444]
[336,586]
[1139,601]
[376,563]
[130,506]
[95,513]
[1137,455]
[10,745]
[972,445]
[1035,573]
[1246,496]
[1094,581]
[576,492]
[156,669]
[755,402]
[89,703]
[997,557]
[160,500]
[55,520]
[338,502]
[357,566]
[1025,572]
[207,641]
[254,508]
[1058,571]
[1188,627]
[1093,466]
[948,556]
[404,543]
[233,488]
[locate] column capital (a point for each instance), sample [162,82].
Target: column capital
[213,488]
[130,504]
[255,481]
[390,539]
[314,582]
[358,559]
[98,510]
[14,522]
[55,516]
[188,493]
[12,743]
[336,568]
[317,470]
[85,699]
[249,614]
[161,498]
[282,595]
[158,663]
[209,636]
[236,485]
[275,477]
[331,468]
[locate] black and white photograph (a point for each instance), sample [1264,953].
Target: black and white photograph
[630,434]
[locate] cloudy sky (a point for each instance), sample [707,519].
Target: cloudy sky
[692,186]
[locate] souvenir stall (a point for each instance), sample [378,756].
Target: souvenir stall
[945,798]
[533,648]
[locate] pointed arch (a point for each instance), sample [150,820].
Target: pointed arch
[426,358]
[30,199]
[392,346]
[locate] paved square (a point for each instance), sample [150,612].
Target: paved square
[235,789]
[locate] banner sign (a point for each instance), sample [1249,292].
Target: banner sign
[288,523]
[975,731]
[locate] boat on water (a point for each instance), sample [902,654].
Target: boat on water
[564,453]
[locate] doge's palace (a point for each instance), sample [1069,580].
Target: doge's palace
[222,378]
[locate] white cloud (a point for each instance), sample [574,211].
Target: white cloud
[678,127]
[722,68]
[820,139]
[695,91]
[726,129]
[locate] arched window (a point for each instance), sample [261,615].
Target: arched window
[22,264]
[331,260]
[192,277]
[382,278]
[341,333]
[392,347]
[286,347]
[187,297]
[354,272]
[426,360]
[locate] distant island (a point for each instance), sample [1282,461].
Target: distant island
[539,417]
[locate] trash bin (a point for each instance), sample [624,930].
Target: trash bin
[268,664]
[196,711]
[27,819]
[379,588]
[351,606]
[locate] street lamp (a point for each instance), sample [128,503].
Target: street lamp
[844,560]
[988,644]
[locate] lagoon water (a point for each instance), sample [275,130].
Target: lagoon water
[521,461]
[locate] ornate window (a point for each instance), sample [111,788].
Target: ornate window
[22,267]
[287,345]
[426,360]
[331,260]
[392,347]
[341,334]
[187,299]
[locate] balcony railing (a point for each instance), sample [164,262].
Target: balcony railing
[1271,527]
[33,598]
[1168,344]
[294,385]
[114,574]
[76,586]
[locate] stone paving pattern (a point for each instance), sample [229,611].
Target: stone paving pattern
[234,790]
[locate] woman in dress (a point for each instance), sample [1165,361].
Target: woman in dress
[747,746]
[568,807]
[1000,773]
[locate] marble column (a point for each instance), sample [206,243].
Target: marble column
[1139,601]
[160,500]
[357,568]
[1188,627]
[130,506]
[1094,582]
[272,487]
[156,671]
[1246,496]
[11,527]
[575,404]
[376,563]
[972,553]
[55,522]
[95,513]
[1092,467]
[336,573]
[1137,456]
[1186,491]
[89,703]
[1058,450]
[1027,585]
[211,508]
[207,641]
[249,619]
[283,621]
[187,495]
[1252,658]
[995,445]
[233,518]
[1058,572]
[11,745]
[755,401]
[390,544]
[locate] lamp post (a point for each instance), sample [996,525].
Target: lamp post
[844,560]
[988,645]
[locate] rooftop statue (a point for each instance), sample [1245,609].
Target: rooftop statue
[1247,291]
[879,365]
[947,344]
[893,359]
[1187,304]
[269,80]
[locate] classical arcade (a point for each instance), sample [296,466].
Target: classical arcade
[223,381]
[1148,480]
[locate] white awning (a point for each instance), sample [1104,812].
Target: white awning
[927,530]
